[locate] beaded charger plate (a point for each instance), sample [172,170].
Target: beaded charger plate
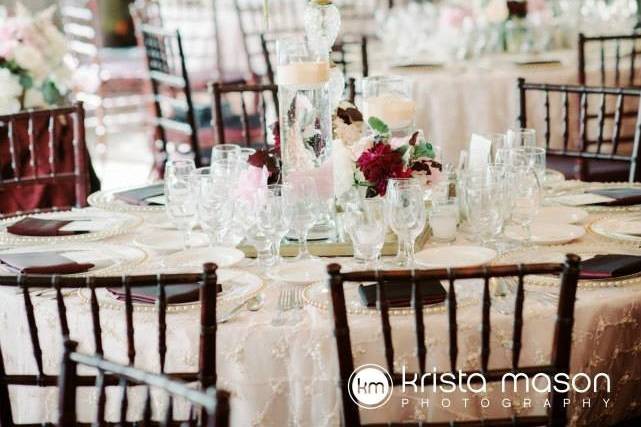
[586,187]
[107,200]
[624,229]
[109,259]
[238,286]
[317,295]
[114,224]
[557,253]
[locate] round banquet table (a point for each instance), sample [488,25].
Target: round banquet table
[455,100]
[287,375]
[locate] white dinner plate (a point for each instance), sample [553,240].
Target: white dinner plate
[102,224]
[618,227]
[454,256]
[169,241]
[192,260]
[107,258]
[547,233]
[299,272]
[561,214]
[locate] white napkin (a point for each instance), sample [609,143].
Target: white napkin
[479,152]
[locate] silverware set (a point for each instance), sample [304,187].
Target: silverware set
[289,299]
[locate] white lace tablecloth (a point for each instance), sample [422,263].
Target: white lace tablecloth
[287,375]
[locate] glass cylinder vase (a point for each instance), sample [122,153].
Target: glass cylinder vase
[303,77]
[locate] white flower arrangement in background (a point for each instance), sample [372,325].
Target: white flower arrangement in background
[33,68]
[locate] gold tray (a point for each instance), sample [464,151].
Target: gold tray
[341,247]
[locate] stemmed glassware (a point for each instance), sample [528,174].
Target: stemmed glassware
[272,216]
[517,138]
[302,207]
[214,204]
[365,224]
[225,151]
[526,198]
[484,193]
[179,193]
[406,215]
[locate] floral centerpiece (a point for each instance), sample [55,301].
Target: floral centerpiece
[33,72]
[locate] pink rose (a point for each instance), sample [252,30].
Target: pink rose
[453,16]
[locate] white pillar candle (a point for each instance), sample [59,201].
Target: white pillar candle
[303,73]
[395,110]
[443,226]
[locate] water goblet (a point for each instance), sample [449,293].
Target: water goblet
[406,215]
[225,151]
[180,205]
[302,209]
[366,228]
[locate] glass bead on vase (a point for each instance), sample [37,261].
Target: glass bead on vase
[322,23]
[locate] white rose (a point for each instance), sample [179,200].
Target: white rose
[33,99]
[30,59]
[9,105]
[9,84]
[343,168]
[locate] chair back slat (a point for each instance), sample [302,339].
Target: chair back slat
[95,316]
[43,148]
[451,318]
[617,63]
[129,321]
[386,327]
[517,330]
[419,324]
[124,400]
[562,339]
[62,308]
[485,322]
[33,331]
[169,413]
[26,283]
[161,304]
[591,134]
[146,412]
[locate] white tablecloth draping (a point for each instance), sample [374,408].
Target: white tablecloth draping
[287,375]
[456,100]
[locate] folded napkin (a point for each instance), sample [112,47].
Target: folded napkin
[139,196]
[176,294]
[400,294]
[621,196]
[610,266]
[41,227]
[43,263]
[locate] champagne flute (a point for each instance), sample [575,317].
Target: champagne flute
[179,193]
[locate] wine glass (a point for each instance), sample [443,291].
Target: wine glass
[483,199]
[180,204]
[534,157]
[366,227]
[521,137]
[302,209]
[214,204]
[406,215]
[526,199]
[225,151]
[255,232]
[272,216]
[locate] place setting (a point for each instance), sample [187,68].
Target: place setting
[65,226]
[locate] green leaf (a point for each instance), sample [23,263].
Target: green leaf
[424,149]
[26,81]
[378,126]
[50,93]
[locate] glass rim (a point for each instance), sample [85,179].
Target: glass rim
[226,147]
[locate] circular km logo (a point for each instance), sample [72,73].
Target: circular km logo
[370,386]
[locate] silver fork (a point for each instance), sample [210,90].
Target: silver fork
[285,303]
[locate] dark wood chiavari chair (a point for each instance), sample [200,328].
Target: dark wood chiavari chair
[175,121]
[44,163]
[214,404]
[206,374]
[616,59]
[256,101]
[117,102]
[585,150]
[285,18]
[560,358]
